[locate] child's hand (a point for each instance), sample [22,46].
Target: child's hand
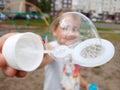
[93,86]
[8,71]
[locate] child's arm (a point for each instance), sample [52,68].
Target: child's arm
[47,58]
[88,86]
[84,83]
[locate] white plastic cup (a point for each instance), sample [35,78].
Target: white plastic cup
[23,51]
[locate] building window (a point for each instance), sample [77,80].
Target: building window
[65,6]
[65,1]
[69,1]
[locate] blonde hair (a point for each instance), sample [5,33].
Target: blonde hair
[59,13]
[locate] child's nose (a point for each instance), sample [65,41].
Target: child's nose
[70,32]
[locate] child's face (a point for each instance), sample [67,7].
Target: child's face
[67,30]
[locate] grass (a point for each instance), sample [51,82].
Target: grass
[41,25]
[41,22]
[104,29]
[32,22]
[111,36]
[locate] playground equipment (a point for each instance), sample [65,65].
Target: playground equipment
[20,11]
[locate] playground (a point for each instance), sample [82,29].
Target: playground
[22,21]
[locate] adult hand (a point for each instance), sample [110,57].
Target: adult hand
[7,70]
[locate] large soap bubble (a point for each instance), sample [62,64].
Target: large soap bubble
[78,38]
[76,22]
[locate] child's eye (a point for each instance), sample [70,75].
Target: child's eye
[75,29]
[65,28]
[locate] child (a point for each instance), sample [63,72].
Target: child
[64,75]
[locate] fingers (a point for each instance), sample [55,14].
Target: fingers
[2,60]
[8,71]
[21,74]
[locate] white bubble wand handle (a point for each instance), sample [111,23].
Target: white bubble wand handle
[59,52]
[47,51]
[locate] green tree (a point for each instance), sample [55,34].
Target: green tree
[44,5]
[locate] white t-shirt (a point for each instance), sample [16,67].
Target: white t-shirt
[53,73]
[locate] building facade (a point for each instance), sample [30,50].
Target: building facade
[57,5]
[3,3]
[107,9]
[12,5]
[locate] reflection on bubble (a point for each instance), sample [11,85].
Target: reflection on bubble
[75,26]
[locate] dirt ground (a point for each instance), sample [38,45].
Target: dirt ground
[106,76]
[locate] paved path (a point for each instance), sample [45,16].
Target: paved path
[108,25]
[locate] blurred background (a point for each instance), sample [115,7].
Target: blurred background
[36,16]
